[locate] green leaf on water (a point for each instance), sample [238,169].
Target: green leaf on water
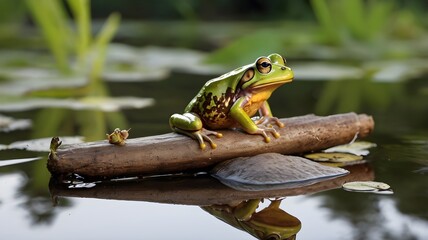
[8,124]
[368,186]
[106,104]
[40,144]
[333,157]
[359,148]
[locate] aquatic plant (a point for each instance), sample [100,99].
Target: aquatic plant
[355,30]
[65,41]
[355,19]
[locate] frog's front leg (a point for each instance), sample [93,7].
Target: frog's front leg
[266,116]
[191,125]
[237,112]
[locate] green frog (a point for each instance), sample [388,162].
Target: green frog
[231,100]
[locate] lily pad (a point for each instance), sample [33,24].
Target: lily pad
[24,80]
[343,164]
[359,148]
[334,157]
[113,75]
[107,104]
[41,144]
[398,70]
[368,186]
[272,171]
[8,124]
[322,71]
[158,60]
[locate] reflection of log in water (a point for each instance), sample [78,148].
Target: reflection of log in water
[200,190]
[172,153]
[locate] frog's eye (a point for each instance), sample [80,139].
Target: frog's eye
[263,65]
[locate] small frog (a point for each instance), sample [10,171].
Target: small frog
[232,99]
[118,136]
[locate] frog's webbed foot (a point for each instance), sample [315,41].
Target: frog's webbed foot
[268,121]
[203,135]
[190,125]
[264,132]
[264,126]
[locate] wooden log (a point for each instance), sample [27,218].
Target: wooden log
[172,153]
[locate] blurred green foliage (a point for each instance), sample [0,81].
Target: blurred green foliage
[356,29]
[65,42]
[355,19]
[67,29]
[11,17]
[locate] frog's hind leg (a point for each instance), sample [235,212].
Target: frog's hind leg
[191,125]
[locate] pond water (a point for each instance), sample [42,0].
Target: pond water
[32,208]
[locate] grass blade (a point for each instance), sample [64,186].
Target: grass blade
[82,15]
[46,14]
[101,42]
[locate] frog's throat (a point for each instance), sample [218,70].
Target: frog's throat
[272,82]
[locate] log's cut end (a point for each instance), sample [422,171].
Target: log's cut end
[173,153]
[366,124]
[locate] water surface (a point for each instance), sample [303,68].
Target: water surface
[401,160]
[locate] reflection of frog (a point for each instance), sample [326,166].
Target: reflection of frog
[232,99]
[270,223]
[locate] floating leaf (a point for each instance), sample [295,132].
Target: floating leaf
[368,186]
[25,80]
[8,124]
[107,104]
[271,171]
[41,144]
[397,70]
[321,70]
[114,75]
[343,164]
[176,58]
[357,148]
[333,157]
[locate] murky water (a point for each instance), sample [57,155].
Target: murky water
[400,110]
